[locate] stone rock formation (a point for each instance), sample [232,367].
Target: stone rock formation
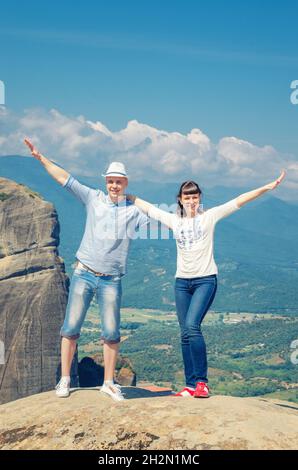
[91,371]
[33,292]
[147,421]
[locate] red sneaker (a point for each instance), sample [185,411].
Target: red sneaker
[202,390]
[186,392]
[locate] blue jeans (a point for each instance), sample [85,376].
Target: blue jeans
[84,284]
[193,299]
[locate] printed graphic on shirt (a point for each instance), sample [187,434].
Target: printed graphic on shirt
[188,232]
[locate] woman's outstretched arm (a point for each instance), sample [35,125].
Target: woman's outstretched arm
[140,203]
[60,175]
[250,195]
[154,212]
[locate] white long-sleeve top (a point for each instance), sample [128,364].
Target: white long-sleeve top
[194,238]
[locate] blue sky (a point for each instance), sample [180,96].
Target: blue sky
[174,89]
[222,66]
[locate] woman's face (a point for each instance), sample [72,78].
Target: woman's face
[190,202]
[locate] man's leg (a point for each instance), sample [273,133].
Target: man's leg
[68,349]
[109,299]
[80,295]
[110,353]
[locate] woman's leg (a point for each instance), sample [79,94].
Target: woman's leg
[203,293]
[183,298]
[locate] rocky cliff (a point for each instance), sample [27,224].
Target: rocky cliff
[147,420]
[33,292]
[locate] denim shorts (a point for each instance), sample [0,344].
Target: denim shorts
[84,284]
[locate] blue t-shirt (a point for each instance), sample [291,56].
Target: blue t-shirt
[108,231]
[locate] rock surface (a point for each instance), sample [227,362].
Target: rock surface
[91,371]
[33,292]
[147,420]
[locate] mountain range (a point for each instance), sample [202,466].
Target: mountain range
[256,248]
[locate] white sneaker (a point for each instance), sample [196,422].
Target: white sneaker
[113,390]
[62,388]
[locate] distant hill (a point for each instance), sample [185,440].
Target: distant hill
[256,248]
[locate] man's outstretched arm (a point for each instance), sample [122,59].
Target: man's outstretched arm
[60,175]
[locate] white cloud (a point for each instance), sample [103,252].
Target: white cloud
[85,147]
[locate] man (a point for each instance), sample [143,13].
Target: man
[111,222]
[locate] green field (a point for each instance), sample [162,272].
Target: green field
[248,354]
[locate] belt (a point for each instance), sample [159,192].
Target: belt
[83,266]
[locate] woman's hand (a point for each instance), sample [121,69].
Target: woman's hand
[251,195]
[34,152]
[275,183]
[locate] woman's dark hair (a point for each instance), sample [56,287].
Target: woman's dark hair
[186,188]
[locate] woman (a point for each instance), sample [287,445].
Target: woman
[196,275]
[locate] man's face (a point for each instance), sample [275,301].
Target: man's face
[116,186]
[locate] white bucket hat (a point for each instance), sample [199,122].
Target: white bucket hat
[116,169]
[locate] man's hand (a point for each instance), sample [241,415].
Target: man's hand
[33,150]
[275,183]
[58,173]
